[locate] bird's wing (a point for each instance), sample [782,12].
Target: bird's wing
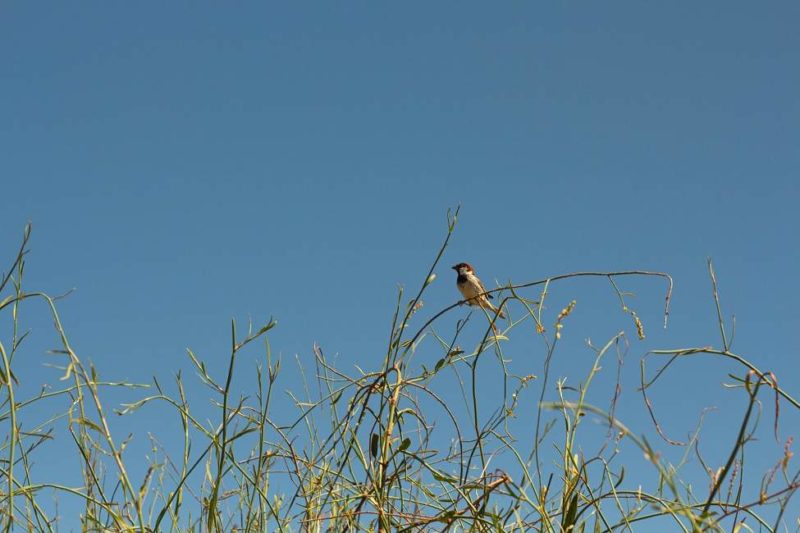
[483,290]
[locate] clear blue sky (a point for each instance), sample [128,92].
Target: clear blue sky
[188,162]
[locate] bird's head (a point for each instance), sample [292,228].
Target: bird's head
[463,268]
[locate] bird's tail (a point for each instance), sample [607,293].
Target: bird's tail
[499,312]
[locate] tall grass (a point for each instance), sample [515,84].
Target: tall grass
[387,449]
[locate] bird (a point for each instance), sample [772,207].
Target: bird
[472,289]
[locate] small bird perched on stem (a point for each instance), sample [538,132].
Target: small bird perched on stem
[472,289]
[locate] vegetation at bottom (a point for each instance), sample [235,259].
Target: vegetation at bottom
[387,448]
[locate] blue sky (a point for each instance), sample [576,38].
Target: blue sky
[186,163]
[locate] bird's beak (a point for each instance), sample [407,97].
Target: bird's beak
[454,268]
